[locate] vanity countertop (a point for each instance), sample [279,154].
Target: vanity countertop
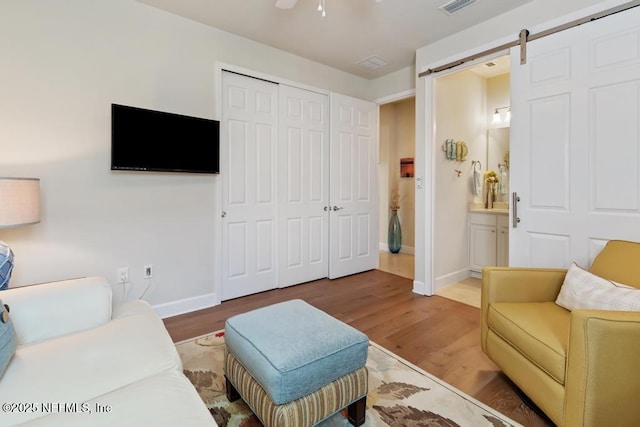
[499,208]
[490,211]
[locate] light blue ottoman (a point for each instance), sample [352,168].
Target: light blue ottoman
[285,358]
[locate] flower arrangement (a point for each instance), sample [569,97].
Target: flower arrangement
[395,200]
[491,177]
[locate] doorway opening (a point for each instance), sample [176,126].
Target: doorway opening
[397,186]
[472,115]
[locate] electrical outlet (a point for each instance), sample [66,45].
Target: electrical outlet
[148,271]
[123,275]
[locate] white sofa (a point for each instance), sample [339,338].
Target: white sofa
[81,363]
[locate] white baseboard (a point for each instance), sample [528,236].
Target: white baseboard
[420,288]
[403,249]
[450,278]
[408,250]
[186,305]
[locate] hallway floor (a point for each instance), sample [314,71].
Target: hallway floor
[466,291]
[400,264]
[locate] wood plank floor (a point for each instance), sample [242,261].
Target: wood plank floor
[440,335]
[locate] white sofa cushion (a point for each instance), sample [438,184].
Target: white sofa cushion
[584,290]
[54,309]
[164,400]
[85,365]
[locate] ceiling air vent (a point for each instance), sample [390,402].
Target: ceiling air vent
[455,5]
[373,62]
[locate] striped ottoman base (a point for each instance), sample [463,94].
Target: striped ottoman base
[348,391]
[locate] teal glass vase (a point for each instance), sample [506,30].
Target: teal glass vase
[395,233]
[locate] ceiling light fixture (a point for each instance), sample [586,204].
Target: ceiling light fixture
[289,4]
[497,117]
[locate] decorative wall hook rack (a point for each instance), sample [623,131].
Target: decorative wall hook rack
[455,150]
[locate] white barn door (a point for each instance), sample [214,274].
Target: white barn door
[575,142]
[248,152]
[303,218]
[353,184]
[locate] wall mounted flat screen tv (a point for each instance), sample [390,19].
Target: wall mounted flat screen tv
[148,140]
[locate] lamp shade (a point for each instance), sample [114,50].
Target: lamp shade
[19,201]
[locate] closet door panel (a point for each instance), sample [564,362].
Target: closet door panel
[277,176]
[248,151]
[303,186]
[615,162]
[354,186]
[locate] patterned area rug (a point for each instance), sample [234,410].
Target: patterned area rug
[400,394]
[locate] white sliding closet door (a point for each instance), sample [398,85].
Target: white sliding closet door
[575,142]
[249,183]
[299,194]
[353,224]
[303,218]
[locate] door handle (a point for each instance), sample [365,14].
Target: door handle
[327,208]
[335,208]
[223,214]
[514,209]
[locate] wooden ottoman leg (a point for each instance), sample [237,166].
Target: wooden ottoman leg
[356,411]
[232,393]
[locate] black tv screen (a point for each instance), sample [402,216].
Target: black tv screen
[147,140]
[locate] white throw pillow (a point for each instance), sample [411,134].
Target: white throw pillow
[582,289]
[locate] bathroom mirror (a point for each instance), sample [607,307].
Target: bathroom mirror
[498,154]
[497,147]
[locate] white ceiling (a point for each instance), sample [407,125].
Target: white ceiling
[492,68]
[352,31]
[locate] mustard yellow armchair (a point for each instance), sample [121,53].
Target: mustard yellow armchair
[580,367]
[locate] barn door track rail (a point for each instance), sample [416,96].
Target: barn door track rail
[524,37]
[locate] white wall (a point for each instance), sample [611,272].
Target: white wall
[460,105]
[62,65]
[393,83]
[536,15]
